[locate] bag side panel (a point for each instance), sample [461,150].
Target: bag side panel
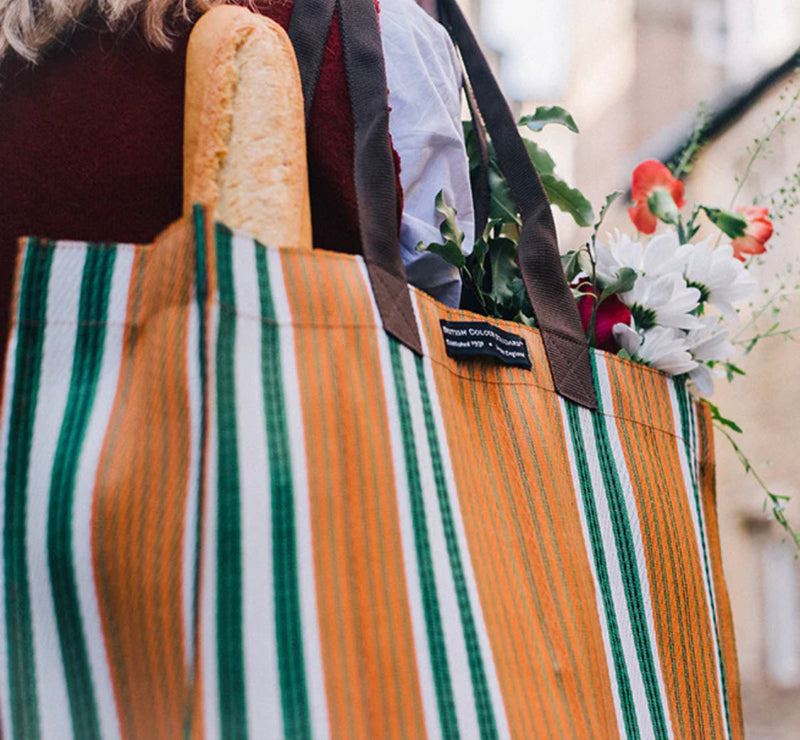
[139,534]
[727,640]
[62,373]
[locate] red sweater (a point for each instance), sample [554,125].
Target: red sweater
[92,138]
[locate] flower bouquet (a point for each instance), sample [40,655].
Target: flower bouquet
[664,299]
[666,294]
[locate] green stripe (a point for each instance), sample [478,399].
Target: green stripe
[88,357]
[688,432]
[430,599]
[288,624]
[24,397]
[601,569]
[626,553]
[480,685]
[230,647]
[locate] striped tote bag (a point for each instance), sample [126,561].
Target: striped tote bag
[234,506]
[252,491]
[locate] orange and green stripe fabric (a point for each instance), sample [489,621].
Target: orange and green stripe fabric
[233,507]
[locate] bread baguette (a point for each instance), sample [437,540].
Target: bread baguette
[244,130]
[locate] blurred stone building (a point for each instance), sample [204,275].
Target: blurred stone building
[632,73]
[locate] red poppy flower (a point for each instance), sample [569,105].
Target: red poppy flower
[649,176]
[756,234]
[610,312]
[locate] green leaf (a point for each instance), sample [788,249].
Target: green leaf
[729,223]
[622,283]
[501,202]
[545,115]
[542,161]
[731,370]
[471,142]
[570,200]
[571,262]
[453,237]
[662,206]
[479,252]
[503,258]
[449,227]
[508,231]
[717,416]
[609,202]
[449,251]
[524,318]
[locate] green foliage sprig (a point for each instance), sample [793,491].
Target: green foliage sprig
[491,273]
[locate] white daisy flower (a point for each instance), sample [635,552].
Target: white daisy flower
[718,275]
[663,301]
[620,251]
[709,342]
[701,377]
[661,255]
[628,338]
[660,347]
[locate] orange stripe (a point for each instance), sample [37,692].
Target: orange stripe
[365,627]
[19,261]
[708,492]
[526,544]
[681,619]
[140,496]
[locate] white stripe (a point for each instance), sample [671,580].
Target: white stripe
[621,465]
[415,600]
[261,674]
[620,604]
[487,657]
[208,548]
[191,513]
[312,647]
[601,612]
[691,478]
[63,300]
[8,385]
[84,493]
[455,642]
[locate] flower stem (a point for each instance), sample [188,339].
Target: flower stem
[776,501]
[590,250]
[762,142]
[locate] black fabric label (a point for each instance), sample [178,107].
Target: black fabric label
[477,338]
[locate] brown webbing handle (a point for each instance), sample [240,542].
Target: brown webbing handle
[555,309]
[375,178]
[553,304]
[308,30]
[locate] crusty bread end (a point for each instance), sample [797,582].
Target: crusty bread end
[244,130]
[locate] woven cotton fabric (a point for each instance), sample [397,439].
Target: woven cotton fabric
[234,507]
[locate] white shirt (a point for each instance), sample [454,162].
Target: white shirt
[424,78]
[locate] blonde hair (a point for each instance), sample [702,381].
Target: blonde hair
[28,26]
